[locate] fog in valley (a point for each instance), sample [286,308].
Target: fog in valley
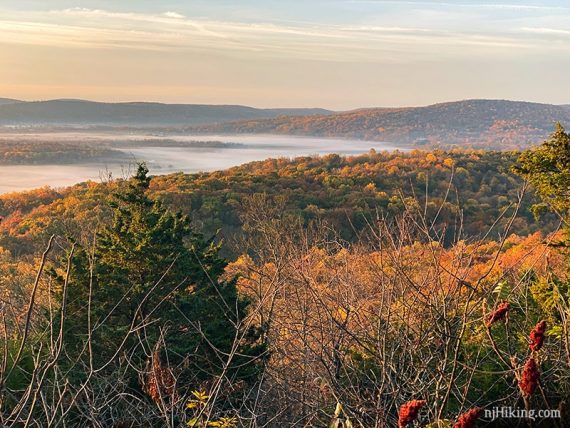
[163,154]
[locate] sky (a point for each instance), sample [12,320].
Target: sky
[337,54]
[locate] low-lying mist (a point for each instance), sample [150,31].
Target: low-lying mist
[163,154]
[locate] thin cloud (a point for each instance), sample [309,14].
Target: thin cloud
[542,30]
[170,30]
[175,15]
[509,6]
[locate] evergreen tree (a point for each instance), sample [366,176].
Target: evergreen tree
[547,168]
[155,281]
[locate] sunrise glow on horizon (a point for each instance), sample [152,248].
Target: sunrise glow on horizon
[338,54]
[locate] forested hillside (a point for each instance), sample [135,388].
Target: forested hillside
[463,192]
[141,114]
[378,290]
[491,124]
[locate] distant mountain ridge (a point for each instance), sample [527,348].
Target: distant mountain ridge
[4,101]
[81,112]
[490,124]
[495,124]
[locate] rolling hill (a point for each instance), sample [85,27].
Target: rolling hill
[495,124]
[80,112]
[489,124]
[5,101]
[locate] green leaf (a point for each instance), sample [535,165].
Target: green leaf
[555,331]
[502,290]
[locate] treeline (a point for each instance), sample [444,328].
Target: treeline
[19,151]
[29,152]
[161,142]
[461,192]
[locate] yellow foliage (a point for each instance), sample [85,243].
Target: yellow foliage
[431,158]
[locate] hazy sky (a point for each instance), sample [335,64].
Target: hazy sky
[339,54]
